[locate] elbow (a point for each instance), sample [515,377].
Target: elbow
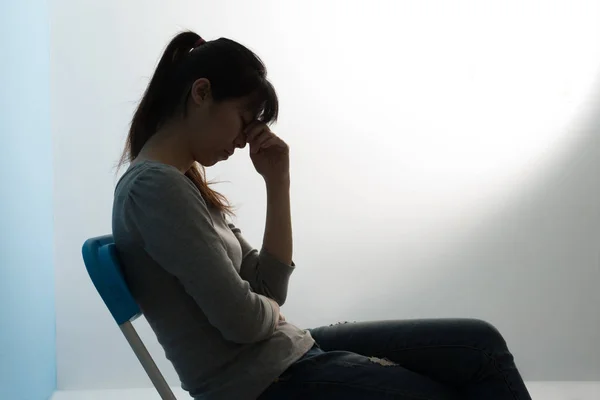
[253,323]
[279,295]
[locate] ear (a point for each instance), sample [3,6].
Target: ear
[200,91]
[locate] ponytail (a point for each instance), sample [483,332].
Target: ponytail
[148,116]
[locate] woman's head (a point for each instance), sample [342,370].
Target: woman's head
[210,90]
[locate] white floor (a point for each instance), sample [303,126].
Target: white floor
[538,390]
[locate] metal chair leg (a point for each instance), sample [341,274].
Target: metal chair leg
[147,362]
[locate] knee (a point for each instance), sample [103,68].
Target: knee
[487,334]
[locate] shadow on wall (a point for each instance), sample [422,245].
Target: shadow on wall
[534,263]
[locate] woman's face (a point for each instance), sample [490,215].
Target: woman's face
[215,129]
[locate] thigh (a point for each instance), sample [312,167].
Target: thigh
[452,351]
[349,376]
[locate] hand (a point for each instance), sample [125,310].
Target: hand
[269,154]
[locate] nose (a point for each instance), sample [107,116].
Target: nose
[240,141]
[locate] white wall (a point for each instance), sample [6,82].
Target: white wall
[27,323]
[444,160]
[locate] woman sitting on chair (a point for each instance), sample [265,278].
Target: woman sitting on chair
[214,301]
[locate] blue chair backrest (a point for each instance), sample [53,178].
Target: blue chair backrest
[102,263]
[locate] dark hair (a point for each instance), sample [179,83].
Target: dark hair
[233,71]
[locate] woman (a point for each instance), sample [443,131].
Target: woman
[213,301]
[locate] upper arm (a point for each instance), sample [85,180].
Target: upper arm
[177,232]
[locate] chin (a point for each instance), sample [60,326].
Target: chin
[206,161]
[209,163]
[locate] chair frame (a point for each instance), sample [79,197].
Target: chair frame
[101,261]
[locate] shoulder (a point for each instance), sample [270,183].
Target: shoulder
[153,175]
[153,181]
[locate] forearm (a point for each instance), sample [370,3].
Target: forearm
[278,227]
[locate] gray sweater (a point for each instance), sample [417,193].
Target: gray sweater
[202,288]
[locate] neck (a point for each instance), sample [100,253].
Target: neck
[168,146]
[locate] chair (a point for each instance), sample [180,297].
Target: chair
[100,258]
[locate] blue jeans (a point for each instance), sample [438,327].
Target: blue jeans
[426,359]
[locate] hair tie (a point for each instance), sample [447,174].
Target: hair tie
[199,42]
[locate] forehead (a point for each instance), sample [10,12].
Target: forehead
[248,104]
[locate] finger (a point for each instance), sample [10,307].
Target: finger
[252,136]
[259,139]
[271,141]
[263,137]
[254,129]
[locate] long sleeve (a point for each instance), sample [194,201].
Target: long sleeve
[266,274]
[175,227]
